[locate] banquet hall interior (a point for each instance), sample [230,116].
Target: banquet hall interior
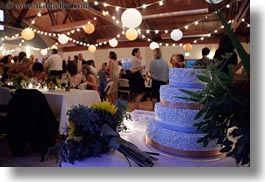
[88,33]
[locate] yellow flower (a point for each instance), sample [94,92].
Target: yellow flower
[51,85]
[105,105]
[58,82]
[71,131]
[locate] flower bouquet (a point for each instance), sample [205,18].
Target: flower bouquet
[52,82]
[21,81]
[94,131]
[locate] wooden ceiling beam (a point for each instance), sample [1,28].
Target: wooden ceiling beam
[243,10]
[153,13]
[42,14]
[22,13]
[70,26]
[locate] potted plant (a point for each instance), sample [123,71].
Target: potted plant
[226,101]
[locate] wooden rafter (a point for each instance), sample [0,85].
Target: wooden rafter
[65,18]
[42,14]
[243,9]
[22,13]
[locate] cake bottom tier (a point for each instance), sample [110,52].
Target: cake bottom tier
[178,143]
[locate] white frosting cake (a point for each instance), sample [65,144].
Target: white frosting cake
[185,77]
[172,129]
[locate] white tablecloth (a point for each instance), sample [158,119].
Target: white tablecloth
[61,101]
[137,137]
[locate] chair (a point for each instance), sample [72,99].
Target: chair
[30,120]
[5,97]
[124,89]
[106,91]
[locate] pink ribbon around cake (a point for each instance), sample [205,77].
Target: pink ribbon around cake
[178,105]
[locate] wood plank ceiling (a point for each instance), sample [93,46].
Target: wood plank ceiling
[158,20]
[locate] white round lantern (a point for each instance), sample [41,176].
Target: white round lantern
[113,42]
[27,34]
[63,39]
[92,48]
[176,34]
[54,47]
[131,18]
[44,52]
[214,1]
[89,28]
[131,34]
[153,45]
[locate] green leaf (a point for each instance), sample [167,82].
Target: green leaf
[200,140]
[204,78]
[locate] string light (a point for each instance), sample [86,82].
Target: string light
[139,30]
[144,6]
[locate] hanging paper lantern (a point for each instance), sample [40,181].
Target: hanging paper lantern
[63,39]
[92,48]
[54,47]
[153,45]
[89,28]
[27,34]
[187,47]
[214,1]
[176,34]
[44,52]
[131,34]
[131,18]
[113,42]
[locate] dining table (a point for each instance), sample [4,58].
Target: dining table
[137,136]
[60,101]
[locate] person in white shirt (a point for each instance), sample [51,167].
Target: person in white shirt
[54,64]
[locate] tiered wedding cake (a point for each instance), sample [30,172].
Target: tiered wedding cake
[172,129]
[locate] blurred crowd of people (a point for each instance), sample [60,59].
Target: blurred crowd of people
[83,73]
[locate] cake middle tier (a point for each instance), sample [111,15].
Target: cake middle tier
[170,94]
[178,118]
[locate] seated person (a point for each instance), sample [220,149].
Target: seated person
[89,78]
[75,77]
[23,68]
[38,72]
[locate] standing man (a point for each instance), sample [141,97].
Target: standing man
[80,62]
[54,64]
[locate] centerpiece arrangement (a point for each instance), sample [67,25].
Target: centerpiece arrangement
[21,81]
[52,82]
[94,131]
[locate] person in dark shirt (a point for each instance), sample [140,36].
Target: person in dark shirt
[226,48]
[204,61]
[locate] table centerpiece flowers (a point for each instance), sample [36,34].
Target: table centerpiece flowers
[21,81]
[94,131]
[52,82]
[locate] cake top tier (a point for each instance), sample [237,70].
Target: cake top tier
[184,75]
